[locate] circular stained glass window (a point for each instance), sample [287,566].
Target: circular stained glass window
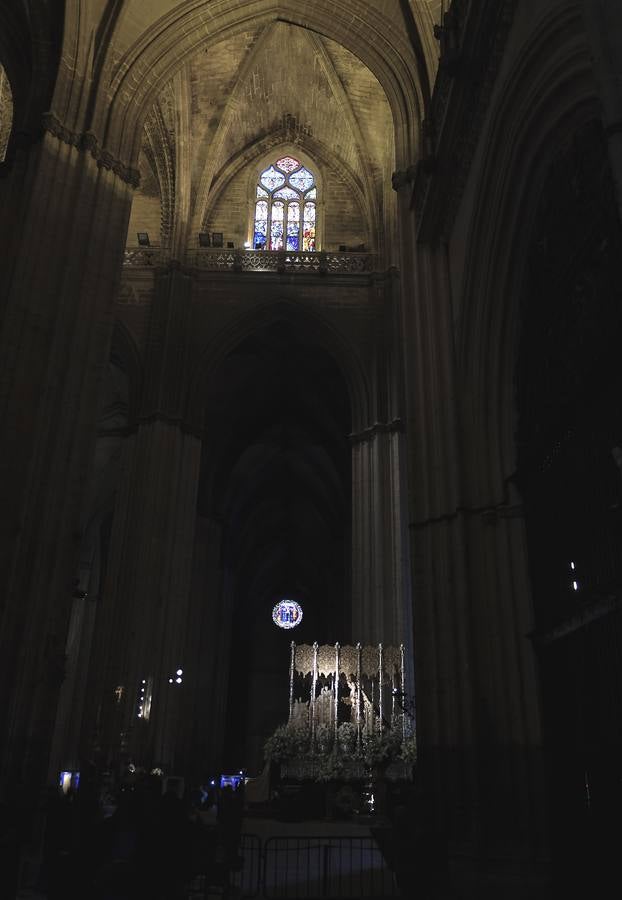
[287,614]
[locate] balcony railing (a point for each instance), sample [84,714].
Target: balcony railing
[281,261]
[145,256]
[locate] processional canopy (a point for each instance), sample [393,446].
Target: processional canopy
[347,714]
[359,684]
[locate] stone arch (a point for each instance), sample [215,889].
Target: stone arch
[163,48]
[549,94]
[29,55]
[314,154]
[328,338]
[276,479]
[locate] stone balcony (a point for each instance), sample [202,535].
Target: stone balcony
[279,261]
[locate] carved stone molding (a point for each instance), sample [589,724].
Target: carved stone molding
[160,149]
[368,434]
[88,143]
[158,416]
[281,261]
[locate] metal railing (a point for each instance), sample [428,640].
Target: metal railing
[306,868]
[333,867]
[248,880]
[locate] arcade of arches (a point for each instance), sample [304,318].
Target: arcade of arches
[318,301]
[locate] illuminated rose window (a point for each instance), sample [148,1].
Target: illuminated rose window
[287,614]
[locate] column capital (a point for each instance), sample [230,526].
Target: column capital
[369,433]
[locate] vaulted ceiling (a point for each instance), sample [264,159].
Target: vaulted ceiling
[137,17]
[267,84]
[276,84]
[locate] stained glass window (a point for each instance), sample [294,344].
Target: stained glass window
[287,194]
[302,180]
[261,224]
[285,208]
[293,226]
[287,614]
[308,227]
[287,164]
[272,179]
[276,225]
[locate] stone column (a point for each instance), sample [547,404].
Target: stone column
[477,707]
[143,632]
[381,589]
[441,602]
[68,232]
[68,740]
[603,19]
[210,650]
[380,602]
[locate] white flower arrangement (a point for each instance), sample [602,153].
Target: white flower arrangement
[329,757]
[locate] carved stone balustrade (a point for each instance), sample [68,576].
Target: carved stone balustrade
[225,260]
[281,261]
[145,256]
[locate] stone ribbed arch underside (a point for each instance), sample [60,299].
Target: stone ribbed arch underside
[135,71]
[276,83]
[137,17]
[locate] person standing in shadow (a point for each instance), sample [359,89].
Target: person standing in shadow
[166,846]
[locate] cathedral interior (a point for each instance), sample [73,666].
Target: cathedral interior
[322,302]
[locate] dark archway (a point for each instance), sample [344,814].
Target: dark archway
[569,382]
[276,473]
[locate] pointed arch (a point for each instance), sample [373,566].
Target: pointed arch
[549,94]
[312,152]
[313,325]
[284,205]
[152,61]
[124,352]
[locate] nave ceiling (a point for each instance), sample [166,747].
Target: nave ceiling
[213,85]
[275,86]
[267,83]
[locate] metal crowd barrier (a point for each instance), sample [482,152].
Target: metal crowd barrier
[312,867]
